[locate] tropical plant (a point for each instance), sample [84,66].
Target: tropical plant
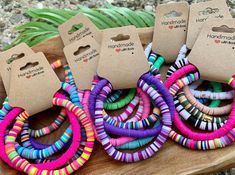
[45,22]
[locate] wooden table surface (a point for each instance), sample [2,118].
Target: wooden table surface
[171,159]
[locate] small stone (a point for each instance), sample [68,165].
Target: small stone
[6,2]
[7,8]
[17,11]
[110,1]
[6,40]
[2,24]
[17,18]
[148,8]
[16,5]
[40,5]
[89,4]
[232,10]
[73,2]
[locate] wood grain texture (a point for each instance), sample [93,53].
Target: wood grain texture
[171,159]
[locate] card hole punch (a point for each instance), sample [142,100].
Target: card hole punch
[81,49]
[15,57]
[223,29]
[208,11]
[29,65]
[120,37]
[75,28]
[173,14]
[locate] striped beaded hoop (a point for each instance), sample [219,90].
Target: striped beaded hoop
[10,147]
[201,141]
[165,103]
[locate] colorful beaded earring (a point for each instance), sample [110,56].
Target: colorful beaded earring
[40,151]
[17,162]
[201,114]
[221,137]
[57,145]
[96,103]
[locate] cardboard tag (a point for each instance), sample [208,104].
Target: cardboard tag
[200,12]
[33,84]
[8,57]
[214,50]
[170,29]
[83,57]
[78,27]
[146,35]
[122,59]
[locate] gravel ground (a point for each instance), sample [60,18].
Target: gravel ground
[12,15]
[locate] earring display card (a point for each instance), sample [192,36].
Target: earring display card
[200,12]
[30,78]
[214,50]
[122,59]
[170,29]
[83,57]
[78,27]
[8,57]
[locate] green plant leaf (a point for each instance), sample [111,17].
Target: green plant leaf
[146,17]
[100,24]
[28,37]
[151,13]
[99,16]
[62,14]
[42,38]
[46,21]
[108,5]
[119,19]
[45,15]
[36,26]
[19,39]
[131,16]
[35,33]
